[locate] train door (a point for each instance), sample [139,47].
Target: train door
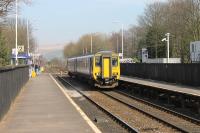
[106,67]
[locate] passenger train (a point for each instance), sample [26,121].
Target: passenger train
[101,69]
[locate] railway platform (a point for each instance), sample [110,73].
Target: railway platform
[43,106]
[188,90]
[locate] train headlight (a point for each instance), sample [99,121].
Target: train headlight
[97,74]
[115,73]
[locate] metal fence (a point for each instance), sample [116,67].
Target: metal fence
[187,74]
[12,79]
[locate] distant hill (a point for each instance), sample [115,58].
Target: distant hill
[51,51]
[54,54]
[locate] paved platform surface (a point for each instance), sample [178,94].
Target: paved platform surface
[163,85]
[42,108]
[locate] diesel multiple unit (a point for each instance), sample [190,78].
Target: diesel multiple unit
[102,69]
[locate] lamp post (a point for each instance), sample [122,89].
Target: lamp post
[122,28]
[91,40]
[167,40]
[117,44]
[28,41]
[122,41]
[16,30]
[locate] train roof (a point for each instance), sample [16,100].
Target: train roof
[81,57]
[104,52]
[89,56]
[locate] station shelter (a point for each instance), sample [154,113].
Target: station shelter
[23,59]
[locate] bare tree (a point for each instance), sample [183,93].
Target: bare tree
[8,32]
[6,6]
[181,18]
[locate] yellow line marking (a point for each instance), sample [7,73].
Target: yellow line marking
[90,123]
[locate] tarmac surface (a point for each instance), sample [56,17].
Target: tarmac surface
[188,90]
[42,108]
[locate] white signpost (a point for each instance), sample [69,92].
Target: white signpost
[20,48]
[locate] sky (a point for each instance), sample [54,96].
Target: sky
[62,21]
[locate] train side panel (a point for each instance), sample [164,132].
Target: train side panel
[71,65]
[80,66]
[83,66]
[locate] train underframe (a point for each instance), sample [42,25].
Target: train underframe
[99,82]
[106,82]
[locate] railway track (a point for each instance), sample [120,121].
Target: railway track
[123,122]
[188,118]
[114,117]
[173,119]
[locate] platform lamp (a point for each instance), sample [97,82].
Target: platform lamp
[91,41]
[122,28]
[167,40]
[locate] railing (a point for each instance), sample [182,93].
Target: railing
[187,74]
[12,79]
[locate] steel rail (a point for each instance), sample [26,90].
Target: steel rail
[146,113]
[114,117]
[185,117]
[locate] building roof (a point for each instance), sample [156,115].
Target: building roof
[21,56]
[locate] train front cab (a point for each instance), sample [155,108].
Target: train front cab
[106,70]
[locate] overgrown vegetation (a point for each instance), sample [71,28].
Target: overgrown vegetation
[181,18]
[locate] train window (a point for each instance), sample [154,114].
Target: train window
[98,61]
[114,61]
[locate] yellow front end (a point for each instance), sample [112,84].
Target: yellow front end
[106,70]
[116,67]
[96,67]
